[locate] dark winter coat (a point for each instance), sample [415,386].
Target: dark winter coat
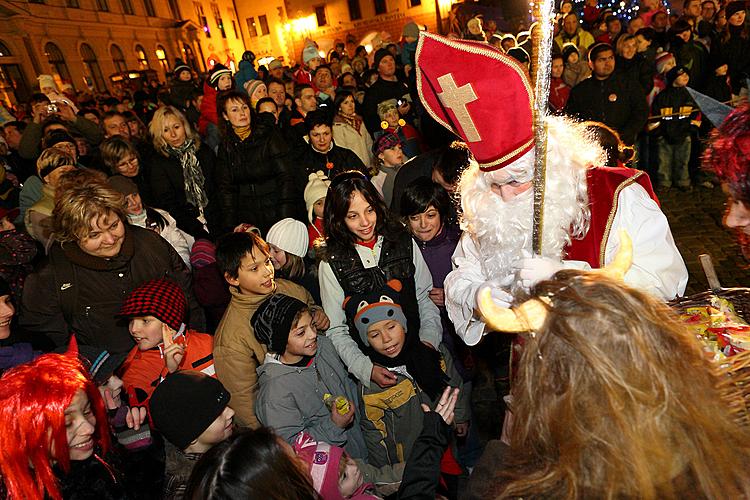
[179,94]
[256,179]
[735,52]
[74,292]
[639,69]
[693,56]
[340,160]
[616,101]
[673,101]
[17,252]
[167,184]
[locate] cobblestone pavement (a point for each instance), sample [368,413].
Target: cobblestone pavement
[696,221]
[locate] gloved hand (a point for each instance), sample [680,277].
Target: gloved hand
[532,270]
[500,295]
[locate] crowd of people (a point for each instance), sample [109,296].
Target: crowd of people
[272,283]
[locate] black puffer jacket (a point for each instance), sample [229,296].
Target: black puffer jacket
[255,178]
[74,292]
[167,186]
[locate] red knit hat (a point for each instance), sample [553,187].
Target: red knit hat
[161,298]
[480,94]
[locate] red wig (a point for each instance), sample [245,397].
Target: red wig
[33,399]
[728,153]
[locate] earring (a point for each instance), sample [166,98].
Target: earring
[384,124]
[401,122]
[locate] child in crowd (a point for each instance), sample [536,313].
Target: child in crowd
[342,477]
[389,156]
[209,286]
[558,89]
[678,116]
[157,313]
[17,252]
[251,464]
[15,349]
[391,122]
[288,242]
[315,201]
[393,415]
[576,70]
[245,262]
[337,476]
[126,422]
[303,385]
[664,62]
[156,219]
[191,410]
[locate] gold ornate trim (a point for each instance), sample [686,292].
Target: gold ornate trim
[470,48]
[612,212]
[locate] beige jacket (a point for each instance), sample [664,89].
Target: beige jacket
[237,353]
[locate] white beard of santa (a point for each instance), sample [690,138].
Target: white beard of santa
[503,230]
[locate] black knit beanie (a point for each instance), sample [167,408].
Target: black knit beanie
[185,404]
[272,321]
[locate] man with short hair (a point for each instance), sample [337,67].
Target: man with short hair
[608,97]
[387,86]
[277,92]
[614,28]
[324,85]
[304,103]
[692,9]
[573,33]
[708,10]
[113,124]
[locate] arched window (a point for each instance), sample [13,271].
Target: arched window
[57,61]
[161,55]
[4,51]
[140,54]
[92,67]
[118,58]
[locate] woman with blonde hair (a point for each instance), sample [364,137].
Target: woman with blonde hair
[95,260]
[181,175]
[614,398]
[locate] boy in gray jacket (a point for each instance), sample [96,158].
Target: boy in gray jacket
[301,377]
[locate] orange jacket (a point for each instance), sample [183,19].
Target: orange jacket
[142,371]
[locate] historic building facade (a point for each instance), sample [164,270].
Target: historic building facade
[279,28]
[84,42]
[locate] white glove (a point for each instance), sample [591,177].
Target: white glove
[532,270]
[500,296]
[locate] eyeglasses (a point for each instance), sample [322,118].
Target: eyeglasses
[133,162]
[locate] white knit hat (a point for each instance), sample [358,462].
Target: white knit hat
[317,188]
[289,235]
[46,81]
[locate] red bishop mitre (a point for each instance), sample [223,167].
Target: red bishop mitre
[480,94]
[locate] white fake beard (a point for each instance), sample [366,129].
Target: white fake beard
[503,230]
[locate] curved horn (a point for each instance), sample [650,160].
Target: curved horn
[622,261]
[529,316]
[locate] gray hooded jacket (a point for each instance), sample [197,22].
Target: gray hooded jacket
[290,399]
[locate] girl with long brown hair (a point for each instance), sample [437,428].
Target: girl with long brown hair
[614,398]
